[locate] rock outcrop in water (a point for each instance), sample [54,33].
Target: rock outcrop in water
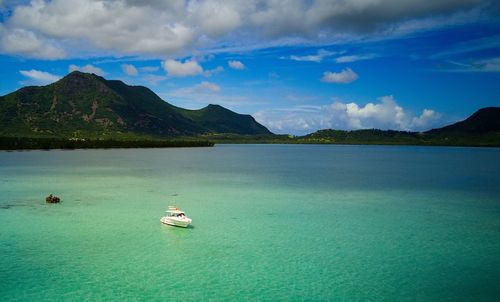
[52,199]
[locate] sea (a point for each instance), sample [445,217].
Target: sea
[270,223]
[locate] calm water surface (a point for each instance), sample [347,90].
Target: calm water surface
[270,222]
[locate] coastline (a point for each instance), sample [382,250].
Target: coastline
[30,143]
[50,143]
[487,140]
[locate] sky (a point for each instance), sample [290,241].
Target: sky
[296,66]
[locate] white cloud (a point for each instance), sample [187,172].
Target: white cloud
[322,53]
[427,118]
[211,72]
[384,114]
[208,86]
[37,77]
[354,58]
[236,65]
[182,69]
[216,18]
[89,68]
[26,43]
[173,28]
[116,25]
[343,77]
[129,69]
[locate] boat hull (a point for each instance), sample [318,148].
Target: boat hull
[176,222]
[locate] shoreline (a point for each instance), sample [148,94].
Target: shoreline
[29,143]
[8,143]
[212,144]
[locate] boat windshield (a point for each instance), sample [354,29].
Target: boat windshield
[176,213]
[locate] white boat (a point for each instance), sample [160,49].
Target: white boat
[176,217]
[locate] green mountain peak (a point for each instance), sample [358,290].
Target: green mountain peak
[90,105]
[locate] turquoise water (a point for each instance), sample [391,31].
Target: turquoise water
[270,222]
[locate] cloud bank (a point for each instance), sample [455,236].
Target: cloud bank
[61,28]
[384,114]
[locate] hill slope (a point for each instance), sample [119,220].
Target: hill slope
[89,105]
[218,119]
[482,121]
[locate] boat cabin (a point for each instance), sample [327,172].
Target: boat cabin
[175,212]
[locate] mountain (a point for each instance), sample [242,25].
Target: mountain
[481,129]
[482,121]
[88,105]
[218,119]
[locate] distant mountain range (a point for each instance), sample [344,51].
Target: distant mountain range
[88,105]
[83,105]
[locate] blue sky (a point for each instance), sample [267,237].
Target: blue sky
[296,66]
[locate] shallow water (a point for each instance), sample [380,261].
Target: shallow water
[270,222]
